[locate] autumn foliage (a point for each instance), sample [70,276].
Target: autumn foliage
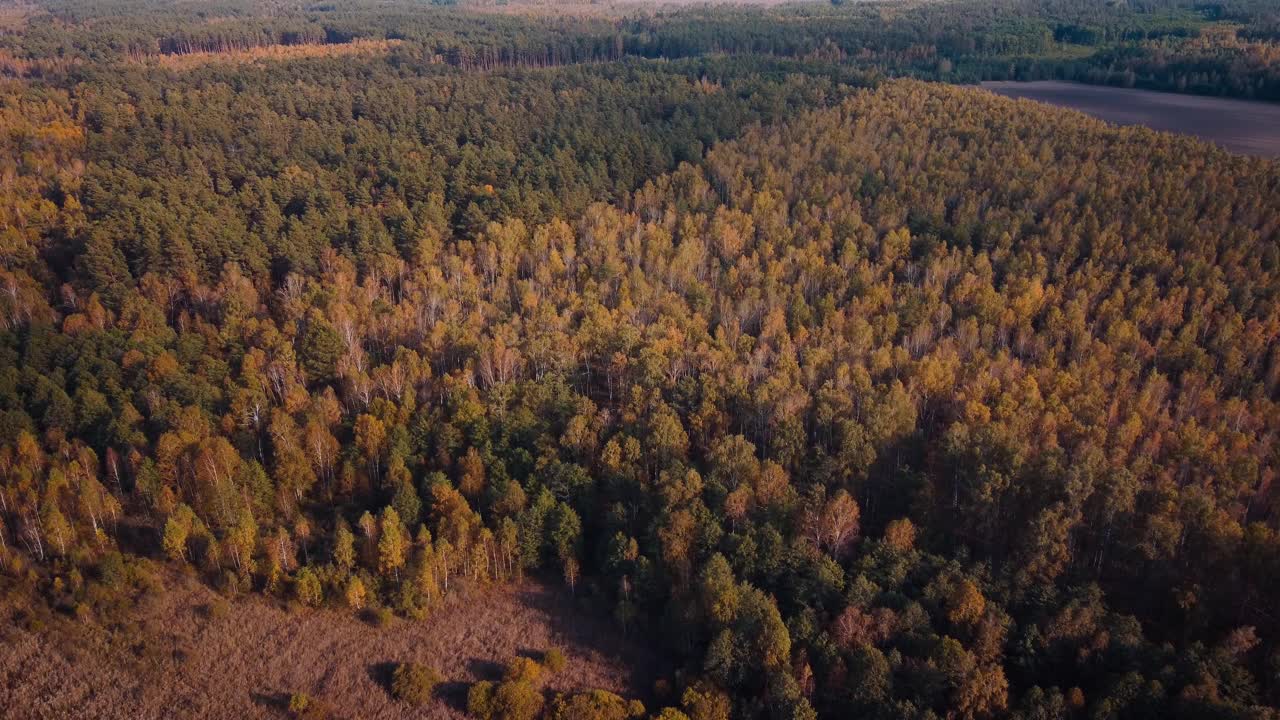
[893,401]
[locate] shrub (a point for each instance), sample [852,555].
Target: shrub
[554,660]
[217,608]
[510,700]
[595,705]
[480,700]
[522,669]
[517,700]
[413,683]
[112,571]
[383,617]
[304,707]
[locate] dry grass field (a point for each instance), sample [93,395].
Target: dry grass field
[204,657]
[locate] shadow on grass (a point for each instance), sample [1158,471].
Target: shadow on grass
[454,694]
[584,623]
[278,702]
[485,669]
[380,674]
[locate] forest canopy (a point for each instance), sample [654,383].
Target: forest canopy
[861,395]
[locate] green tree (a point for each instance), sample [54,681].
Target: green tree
[307,588]
[355,593]
[344,548]
[319,348]
[177,529]
[392,543]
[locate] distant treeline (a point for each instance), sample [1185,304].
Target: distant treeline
[1221,49]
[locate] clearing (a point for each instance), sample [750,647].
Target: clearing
[244,659]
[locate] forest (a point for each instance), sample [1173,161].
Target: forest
[752,333]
